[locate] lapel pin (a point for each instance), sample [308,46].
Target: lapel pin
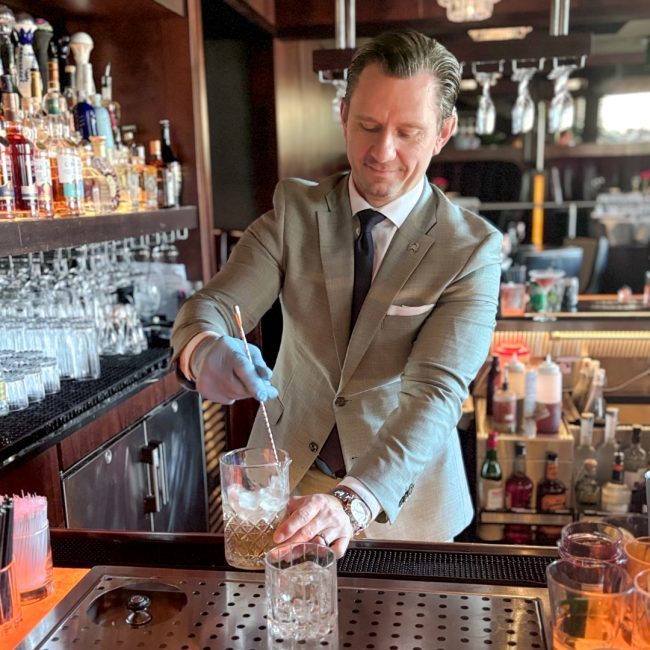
[413,247]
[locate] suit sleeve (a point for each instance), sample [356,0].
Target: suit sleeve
[251,278]
[450,348]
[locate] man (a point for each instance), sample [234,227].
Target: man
[386,317]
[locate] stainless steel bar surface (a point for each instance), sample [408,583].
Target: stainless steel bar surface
[223,610]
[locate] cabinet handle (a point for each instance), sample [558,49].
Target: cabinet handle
[151,458]
[164,487]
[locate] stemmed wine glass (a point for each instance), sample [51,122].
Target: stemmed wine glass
[545,279]
[562,111]
[523,111]
[486,113]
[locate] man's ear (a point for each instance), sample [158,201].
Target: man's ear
[446,131]
[344,109]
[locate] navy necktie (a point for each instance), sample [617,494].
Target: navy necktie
[364,252]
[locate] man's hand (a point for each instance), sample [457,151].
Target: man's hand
[224,374]
[316,516]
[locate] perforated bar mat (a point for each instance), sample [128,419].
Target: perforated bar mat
[217,611]
[80,549]
[463,567]
[22,429]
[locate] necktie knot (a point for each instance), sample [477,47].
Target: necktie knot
[369,219]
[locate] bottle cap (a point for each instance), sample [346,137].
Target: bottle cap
[548,367]
[514,365]
[551,455]
[520,449]
[586,416]
[492,440]
[590,463]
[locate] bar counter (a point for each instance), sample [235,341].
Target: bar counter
[391,595]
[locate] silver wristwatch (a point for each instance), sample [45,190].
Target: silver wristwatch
[354,506]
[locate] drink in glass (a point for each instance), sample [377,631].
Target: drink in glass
[301,592]
[255,492]
[545,279]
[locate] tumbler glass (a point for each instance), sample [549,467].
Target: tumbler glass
[638,555]
[641,633]
[255,492]
[589,541]
[590,605]
[301,592]
[513,299]
[16,390]
[10,614]
[631,525]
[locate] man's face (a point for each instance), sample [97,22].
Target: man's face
[391,132]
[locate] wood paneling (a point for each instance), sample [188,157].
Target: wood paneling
[40,475]
[310,140]
[93,435]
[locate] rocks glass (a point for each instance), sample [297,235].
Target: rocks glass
[255,492]
[301,594]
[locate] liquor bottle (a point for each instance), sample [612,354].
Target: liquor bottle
[519,494]
[33,129]
[164,176]
[62,167]
[22,159]
[85,120]
[517,376]
[615,495]
[112,106]
[605,452]
[53,94]
[639,498]
[636,461]
[585,448]
[97,192]
[146,180]
[596,403]
[491,492]
[579,391]
[587,490]
[504,408]
[75,150]
[491,384]
[551,497]
[549,397]
[104,127]
[24,31]
[70,86]
[7,197]
[100,162]
[170,159]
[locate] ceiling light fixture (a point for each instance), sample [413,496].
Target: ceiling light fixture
[468,11]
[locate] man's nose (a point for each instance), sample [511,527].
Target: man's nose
[384,148]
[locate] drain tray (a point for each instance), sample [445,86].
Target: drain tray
[226,611]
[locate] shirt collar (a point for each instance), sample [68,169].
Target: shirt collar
[396,211]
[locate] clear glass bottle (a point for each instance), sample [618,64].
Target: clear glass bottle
[636,459]
[491,490]
[585,448]
[75,152]
[579,391]
[101,163]
[33,128]
[97,193]
[551,497]
[615,495]
[70,86]
[112,106]
[596,403]
[53,94]
[22,159]
[519,495]
[587,490]
[605,452]
[146,179]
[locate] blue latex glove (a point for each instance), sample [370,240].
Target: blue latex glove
[224,374]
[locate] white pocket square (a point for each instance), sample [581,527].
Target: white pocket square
[406,310]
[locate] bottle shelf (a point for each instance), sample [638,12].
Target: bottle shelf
[33,235]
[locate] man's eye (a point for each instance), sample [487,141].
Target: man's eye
[407,134]
[370,128]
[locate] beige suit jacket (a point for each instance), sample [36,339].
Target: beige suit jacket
[396,384]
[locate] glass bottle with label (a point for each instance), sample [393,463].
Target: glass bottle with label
[519,494]
[587,490]
[605,452]
[636,461]
[99,161]
[22,159]
[33,128]
[164,176]
[551,497]
[7,197]
[98,198]
[491,492]
[615,495]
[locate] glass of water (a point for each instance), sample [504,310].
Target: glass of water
[301,593]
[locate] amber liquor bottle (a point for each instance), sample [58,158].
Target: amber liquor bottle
[551,497]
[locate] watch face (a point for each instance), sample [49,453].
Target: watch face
[359,511]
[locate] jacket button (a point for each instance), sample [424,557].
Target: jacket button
[340,401]
[313,446]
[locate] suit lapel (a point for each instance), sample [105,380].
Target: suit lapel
[336,234]
[408,247]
